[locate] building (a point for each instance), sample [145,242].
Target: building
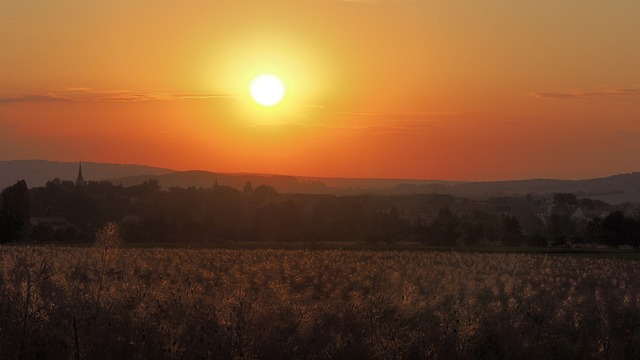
[80,180]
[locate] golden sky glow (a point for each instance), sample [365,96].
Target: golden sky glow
[462,90]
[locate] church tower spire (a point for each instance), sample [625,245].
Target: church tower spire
[80,180]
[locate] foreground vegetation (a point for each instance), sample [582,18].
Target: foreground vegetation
[64,212]
[109,302]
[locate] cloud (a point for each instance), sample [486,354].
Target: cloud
[589,96]
[86,94]
[356,1]
[411,113]
[126,97]
[131,96]
[199,96]
[33,98]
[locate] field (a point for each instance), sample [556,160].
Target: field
[126,303]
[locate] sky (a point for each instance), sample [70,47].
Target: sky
[452,90]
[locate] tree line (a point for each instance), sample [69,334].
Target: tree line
[148,214]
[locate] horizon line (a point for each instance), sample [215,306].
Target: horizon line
[324,177]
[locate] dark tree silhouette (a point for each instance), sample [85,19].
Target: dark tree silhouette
[560,199]
[471,232]
[618,230]
[264,191]
[512,233]
[385,226]
[572,200]
[565,199]
[14,217]
[445,227]
[248,188]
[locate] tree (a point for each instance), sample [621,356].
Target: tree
[537,240]
[565,199]
[616,229]
[472,232]
[512,232]
[148,186]
[560,199]
[290,217]
[385,226]
[248,188]
[445,227]
[41,233]
[14,217]
[262,194]
[263,191]
[560,226]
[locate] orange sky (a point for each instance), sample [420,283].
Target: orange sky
[457,90]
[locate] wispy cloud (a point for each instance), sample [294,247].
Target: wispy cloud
[197,96]
[127,97]
[588,96]
[34,98]
[87,94]
[411,113]
[131,96]
[357,1]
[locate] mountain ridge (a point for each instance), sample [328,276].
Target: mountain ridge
[614,189]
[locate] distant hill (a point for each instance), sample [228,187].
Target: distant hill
[205,179]
[613,189]
[38,172]
[285,183]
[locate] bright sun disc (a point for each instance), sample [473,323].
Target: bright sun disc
[267,90]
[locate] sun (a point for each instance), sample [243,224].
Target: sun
[267,89]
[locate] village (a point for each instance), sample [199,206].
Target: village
[66,211]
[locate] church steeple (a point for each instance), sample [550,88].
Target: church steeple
[80,179]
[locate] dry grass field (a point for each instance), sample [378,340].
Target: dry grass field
[111,303]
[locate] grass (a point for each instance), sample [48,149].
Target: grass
[164,303]
[603,253]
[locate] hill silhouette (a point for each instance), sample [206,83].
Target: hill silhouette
[614,189]
[38,172]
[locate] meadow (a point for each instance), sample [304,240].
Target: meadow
[108,302]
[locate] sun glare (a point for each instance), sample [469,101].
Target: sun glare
[267,89]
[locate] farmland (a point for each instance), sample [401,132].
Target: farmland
[157,303]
